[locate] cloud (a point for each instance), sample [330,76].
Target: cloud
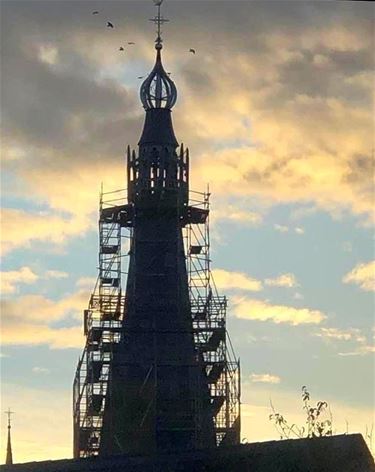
[236,214]
[283,280]
[362,275]
[40,370]
[258,310]
[265,378]
[281,228]
[38,227]
[86,282]
[56,274]
[235,280]
[71,106]
[360,351]
[29,320]
[9,280]
[12,279]
[299,230]
[360,345]
[351,334]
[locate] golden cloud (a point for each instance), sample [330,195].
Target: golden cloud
[283,280]
[362,275]
[21,228]
[265,378]
[10,280]
[28,320]
[352,334]
[32,334]
[235,280]
[235,214]
[258,310]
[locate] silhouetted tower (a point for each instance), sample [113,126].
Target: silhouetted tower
[156,378]
[9,456]
[155,374]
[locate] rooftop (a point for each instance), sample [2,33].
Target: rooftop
[343,453]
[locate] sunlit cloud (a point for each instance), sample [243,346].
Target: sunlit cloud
[10,280]
[235,280]
[56,274]
[86,282]
[29,320]
[362,275]
[38,227]
[235,214]
[360,351]
[265,378]
[283,280]
[258,310]
[352,334]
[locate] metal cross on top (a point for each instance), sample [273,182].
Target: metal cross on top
[158,20]
[9,413]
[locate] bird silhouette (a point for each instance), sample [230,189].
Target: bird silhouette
[109,24]
[141,77]
[121,49]
[95,12]
[131,42]
[192,50]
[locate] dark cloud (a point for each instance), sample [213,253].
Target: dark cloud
[68,106]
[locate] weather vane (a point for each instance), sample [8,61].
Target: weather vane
[158,20]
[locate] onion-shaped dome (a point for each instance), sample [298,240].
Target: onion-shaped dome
[158,90]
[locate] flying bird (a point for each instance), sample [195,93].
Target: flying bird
[109,24]
[141,77]
[192,50]
[131,42]
[95,12]
[121,49]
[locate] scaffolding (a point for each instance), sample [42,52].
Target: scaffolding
[103,320]
[208,310]
[102,328]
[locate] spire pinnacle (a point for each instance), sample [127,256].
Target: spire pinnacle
[158,90]
[159,20]
[9,456]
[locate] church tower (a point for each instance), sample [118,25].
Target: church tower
[9,456]
[157,378]
[155,375]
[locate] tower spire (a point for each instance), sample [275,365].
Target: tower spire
[9,456]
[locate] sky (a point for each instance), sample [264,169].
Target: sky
[276,107]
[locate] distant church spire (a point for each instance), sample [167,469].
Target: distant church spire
[9,457]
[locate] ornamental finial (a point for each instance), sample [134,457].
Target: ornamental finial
[158,20]
[158,90]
